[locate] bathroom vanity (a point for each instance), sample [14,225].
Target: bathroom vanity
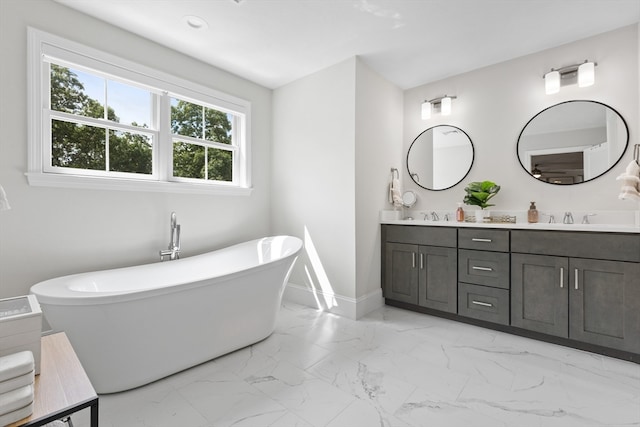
[574,287]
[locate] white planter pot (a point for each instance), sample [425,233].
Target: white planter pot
[481,215]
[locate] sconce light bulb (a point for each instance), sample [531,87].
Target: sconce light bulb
[586,74]
[445,106]
[426,110]
[552,82]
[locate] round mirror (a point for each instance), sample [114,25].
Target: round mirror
[440,157]
[572,142]
[409,198]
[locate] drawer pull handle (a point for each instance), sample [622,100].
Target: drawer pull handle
[477,239]
[475,267]
[484,304]
[561,277]
[576,278]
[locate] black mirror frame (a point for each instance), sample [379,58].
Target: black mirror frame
[566,102]
[473,157]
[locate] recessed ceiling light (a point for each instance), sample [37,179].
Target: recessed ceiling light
[195,22]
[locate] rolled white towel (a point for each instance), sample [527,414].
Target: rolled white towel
[630,182]
[396,194]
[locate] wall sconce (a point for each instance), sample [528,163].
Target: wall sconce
[584,74]
[443,103]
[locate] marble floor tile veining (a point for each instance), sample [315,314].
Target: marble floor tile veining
[393,368]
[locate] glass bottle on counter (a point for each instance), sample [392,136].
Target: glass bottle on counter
[532,214]
[460,213]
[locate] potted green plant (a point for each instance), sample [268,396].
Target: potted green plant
[479,194]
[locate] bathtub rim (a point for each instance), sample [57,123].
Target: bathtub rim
[55,291]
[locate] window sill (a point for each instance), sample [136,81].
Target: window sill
[91,183]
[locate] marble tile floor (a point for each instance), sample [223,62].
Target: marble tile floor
[392,368]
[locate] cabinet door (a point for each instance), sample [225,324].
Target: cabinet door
[401,272]
[539,297]
[604,303]
[438,284]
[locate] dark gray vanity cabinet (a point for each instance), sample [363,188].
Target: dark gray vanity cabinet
[604,303]
[483,274]
[401,274]
[539,297]
[420,266]
[574,288]
[592,298]
[437,284]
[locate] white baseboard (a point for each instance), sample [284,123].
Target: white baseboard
[333,303]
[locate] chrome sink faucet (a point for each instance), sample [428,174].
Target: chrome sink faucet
[434,216]
[568,218]
[173,251]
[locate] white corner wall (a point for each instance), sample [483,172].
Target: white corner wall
[378,139]
[51,232]
[336,134]
[313,183]
[494,103]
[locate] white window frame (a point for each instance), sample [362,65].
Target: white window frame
[42,46]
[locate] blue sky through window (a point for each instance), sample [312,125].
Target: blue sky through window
[129,103]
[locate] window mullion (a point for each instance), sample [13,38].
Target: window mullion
[165,143]
[106,150]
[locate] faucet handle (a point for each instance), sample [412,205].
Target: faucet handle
[585,219]
[552,219]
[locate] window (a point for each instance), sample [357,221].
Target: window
[97,121]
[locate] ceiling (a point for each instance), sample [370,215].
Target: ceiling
[409,42]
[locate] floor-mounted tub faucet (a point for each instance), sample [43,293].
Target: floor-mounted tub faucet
[173,251]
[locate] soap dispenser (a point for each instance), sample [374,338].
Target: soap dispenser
[532,214]
[460,213]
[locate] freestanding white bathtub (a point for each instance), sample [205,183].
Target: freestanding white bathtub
[131,326]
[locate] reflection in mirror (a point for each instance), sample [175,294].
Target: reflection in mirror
[440,157]
[572,142]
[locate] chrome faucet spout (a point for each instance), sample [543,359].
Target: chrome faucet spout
[568,218]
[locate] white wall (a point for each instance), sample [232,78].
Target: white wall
[378,137]
[51,232]
[313,178]
[336,134]
[494,103]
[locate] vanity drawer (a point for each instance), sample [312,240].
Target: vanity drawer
[483,303]
[484,268]
[580,244]
[420,235]
[486,240]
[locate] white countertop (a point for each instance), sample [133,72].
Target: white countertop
[607,228]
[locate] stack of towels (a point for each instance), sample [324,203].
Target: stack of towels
[630,182]
[16,386]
